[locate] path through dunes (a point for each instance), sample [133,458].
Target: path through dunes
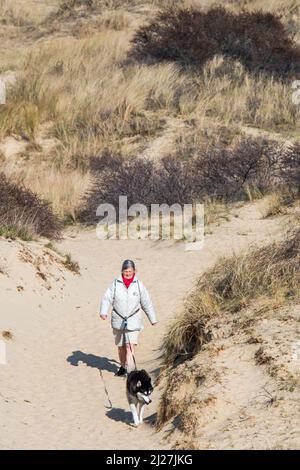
[52,395]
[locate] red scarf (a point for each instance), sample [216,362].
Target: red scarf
[127,282]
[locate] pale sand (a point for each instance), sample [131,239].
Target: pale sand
[52,395]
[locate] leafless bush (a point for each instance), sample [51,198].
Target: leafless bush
[116,177]
[191,37]
[218,172]
[23,209]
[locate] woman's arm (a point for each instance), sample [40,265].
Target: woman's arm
[106,301]
[146,304]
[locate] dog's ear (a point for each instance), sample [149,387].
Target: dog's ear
[145,374]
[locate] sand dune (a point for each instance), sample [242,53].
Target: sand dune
[52,395]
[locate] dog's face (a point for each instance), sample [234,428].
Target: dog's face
[144,390]
[144,385]
[140,384]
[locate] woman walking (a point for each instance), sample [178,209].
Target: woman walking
[127,295]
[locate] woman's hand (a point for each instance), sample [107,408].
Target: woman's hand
[103,317]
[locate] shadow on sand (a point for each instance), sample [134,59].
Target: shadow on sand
[119,414]
[93,361]
[110,365]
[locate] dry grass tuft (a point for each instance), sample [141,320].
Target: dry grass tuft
[71,265]
[64,188]
[275,204]
[231,95]
[177,394]
[7,334]
[15,13]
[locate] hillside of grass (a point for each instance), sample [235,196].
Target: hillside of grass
[84,84]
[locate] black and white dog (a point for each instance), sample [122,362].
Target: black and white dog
[138,390]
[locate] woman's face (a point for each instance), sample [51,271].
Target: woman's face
[128,273]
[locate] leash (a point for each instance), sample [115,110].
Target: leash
[106,391]
[133,357]
[125,326]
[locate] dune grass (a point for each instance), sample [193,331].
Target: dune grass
[64,188]
[232,284]
[231,95]
[15,231]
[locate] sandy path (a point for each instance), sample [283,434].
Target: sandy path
[163,144]
[53,395]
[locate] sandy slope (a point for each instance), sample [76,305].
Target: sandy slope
[52,394]
[249,393]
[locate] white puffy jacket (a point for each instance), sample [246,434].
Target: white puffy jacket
[127,304]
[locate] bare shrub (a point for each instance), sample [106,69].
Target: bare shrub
[134,178]
[191,37]
[289,159]
[23,209]
[222,173]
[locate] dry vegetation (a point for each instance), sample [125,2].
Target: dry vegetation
[94,82]
[23,214]
[80,81]
[289,11]
[268,272]
[217,173]
[259,40]
[237,292]
[7,334]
